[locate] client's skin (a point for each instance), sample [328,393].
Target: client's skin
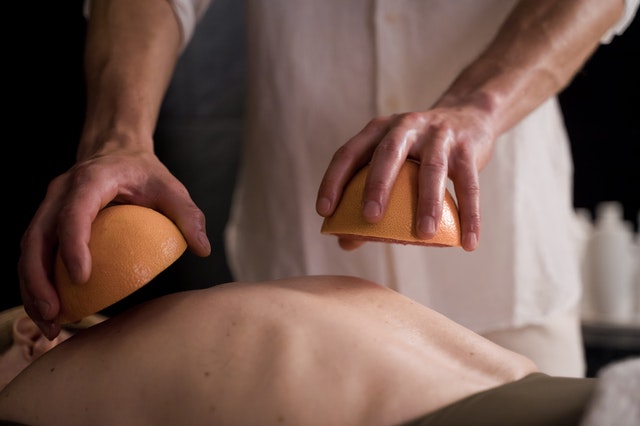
[22,342]
[28,344]
[312,350]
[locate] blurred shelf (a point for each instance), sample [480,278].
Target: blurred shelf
[611,335]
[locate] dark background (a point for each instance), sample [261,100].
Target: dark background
[602,113]
[46,106]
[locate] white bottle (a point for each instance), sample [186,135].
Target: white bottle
[611,267]
[585,223]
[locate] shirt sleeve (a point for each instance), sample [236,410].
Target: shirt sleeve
[188,13]
[630,9]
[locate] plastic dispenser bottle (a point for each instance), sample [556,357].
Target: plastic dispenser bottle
[585,223]
[611,269]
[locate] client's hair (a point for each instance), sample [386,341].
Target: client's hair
[8,316]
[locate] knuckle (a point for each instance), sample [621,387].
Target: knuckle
[378,185]
[344,153]
[434,163]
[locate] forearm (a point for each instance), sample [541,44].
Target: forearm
[131,51]
[535,54]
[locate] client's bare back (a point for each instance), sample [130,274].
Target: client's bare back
[311,350]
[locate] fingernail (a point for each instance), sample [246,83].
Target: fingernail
[204,241]
[427,226]
[43,308]
[323,205]
[47,328]
[371,209]
[470,240]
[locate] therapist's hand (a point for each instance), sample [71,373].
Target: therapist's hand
[519,70]
[130,53]
[452,142]
[73,200]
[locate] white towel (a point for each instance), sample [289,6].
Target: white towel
[616,400]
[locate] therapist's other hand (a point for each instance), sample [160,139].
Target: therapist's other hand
[452,141]
[73,200]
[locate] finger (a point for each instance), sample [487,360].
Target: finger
[176,203]
[432,181]
[346,161]
[387,160]
[468,156]
[467,187]
[58,225]
[191,221]
[37,292]
[35,269]
[90,190]
[349,244]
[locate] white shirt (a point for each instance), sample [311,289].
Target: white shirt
[318,71]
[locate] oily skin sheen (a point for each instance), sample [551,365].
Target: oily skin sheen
[310,350]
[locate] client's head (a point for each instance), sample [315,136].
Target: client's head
[22,342]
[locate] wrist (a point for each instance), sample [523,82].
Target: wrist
[97,140]
[485,106]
